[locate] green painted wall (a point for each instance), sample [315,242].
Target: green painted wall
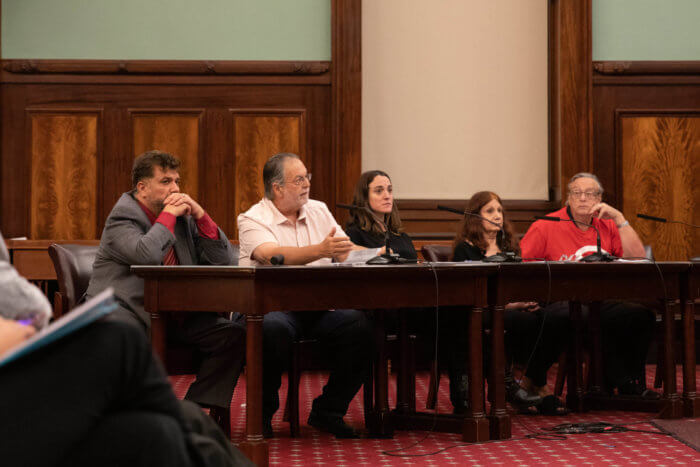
[167,29]
[646,29]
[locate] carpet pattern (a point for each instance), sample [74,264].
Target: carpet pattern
[316,448]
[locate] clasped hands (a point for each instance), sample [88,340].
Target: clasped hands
[179,204]
[605,211]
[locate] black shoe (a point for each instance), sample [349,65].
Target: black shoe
[222,417]
[637,388]
[519,397]
[333,424]
[459,393]
[267,429]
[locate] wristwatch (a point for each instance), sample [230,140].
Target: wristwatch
[619,226]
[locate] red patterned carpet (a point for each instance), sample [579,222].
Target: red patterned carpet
[315,448]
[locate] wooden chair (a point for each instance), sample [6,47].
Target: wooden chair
[304,358]
[435,254]
[73,265]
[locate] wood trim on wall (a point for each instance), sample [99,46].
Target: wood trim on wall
[642,67]
[346,101]
[571,90]
[166,67]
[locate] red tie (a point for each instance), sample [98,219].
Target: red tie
[170,258]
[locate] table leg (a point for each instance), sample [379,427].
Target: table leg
[574,394]
[690,395]
[499,418]
[673,407]
[254,446]
[403,383]
[150,305]
[378,422]
[595,368]
[476,425]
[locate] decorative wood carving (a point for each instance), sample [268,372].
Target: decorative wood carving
[166,67]
[660,162]
[64,152]
[257,135]
[176,132]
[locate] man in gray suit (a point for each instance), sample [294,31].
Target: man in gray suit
[156,224]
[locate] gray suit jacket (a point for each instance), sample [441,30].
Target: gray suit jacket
[129,239]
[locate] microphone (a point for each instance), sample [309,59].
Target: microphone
[277,260]
[386,258]
[504,256]
[598,256]
[664,220]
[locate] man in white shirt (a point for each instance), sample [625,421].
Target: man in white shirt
[285,222]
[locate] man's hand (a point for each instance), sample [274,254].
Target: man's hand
[605,211]
[335,247]
[12,334]
[178,204]
[523,306]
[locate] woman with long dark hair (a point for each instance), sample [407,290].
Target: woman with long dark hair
[532,341]
[374,195]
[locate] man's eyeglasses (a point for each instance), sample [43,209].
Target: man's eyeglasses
[585,194]
[300,179]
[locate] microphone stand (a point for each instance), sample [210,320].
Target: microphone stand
[596,257]
[695,259]
[504,256]
[386,257]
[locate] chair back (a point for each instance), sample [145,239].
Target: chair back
[73,265]
[236,253]
[648,252]
[436,253]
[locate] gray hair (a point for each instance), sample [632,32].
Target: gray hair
[585,175]
[273,172]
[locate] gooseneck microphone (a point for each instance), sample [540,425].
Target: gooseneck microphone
[598,256]
[504,256]
[386,258]
[664,220]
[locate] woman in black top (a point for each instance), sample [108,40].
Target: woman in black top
[477,239]
[367,227]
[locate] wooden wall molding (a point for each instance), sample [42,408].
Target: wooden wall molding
[665,98]
[570,66]
[424,221]
[166,67]
[641,67]
[328,92]
[346,102]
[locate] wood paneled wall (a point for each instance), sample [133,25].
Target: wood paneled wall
[224,118]
[647,148]
[68,142]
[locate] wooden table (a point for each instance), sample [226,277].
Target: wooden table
[690,294]
[256,291]
[588,283]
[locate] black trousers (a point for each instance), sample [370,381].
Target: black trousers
[222,345]
[626,332]
[98,397]
[535,340]
[347,341]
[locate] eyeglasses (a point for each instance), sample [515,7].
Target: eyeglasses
[300,179]
[585,194]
